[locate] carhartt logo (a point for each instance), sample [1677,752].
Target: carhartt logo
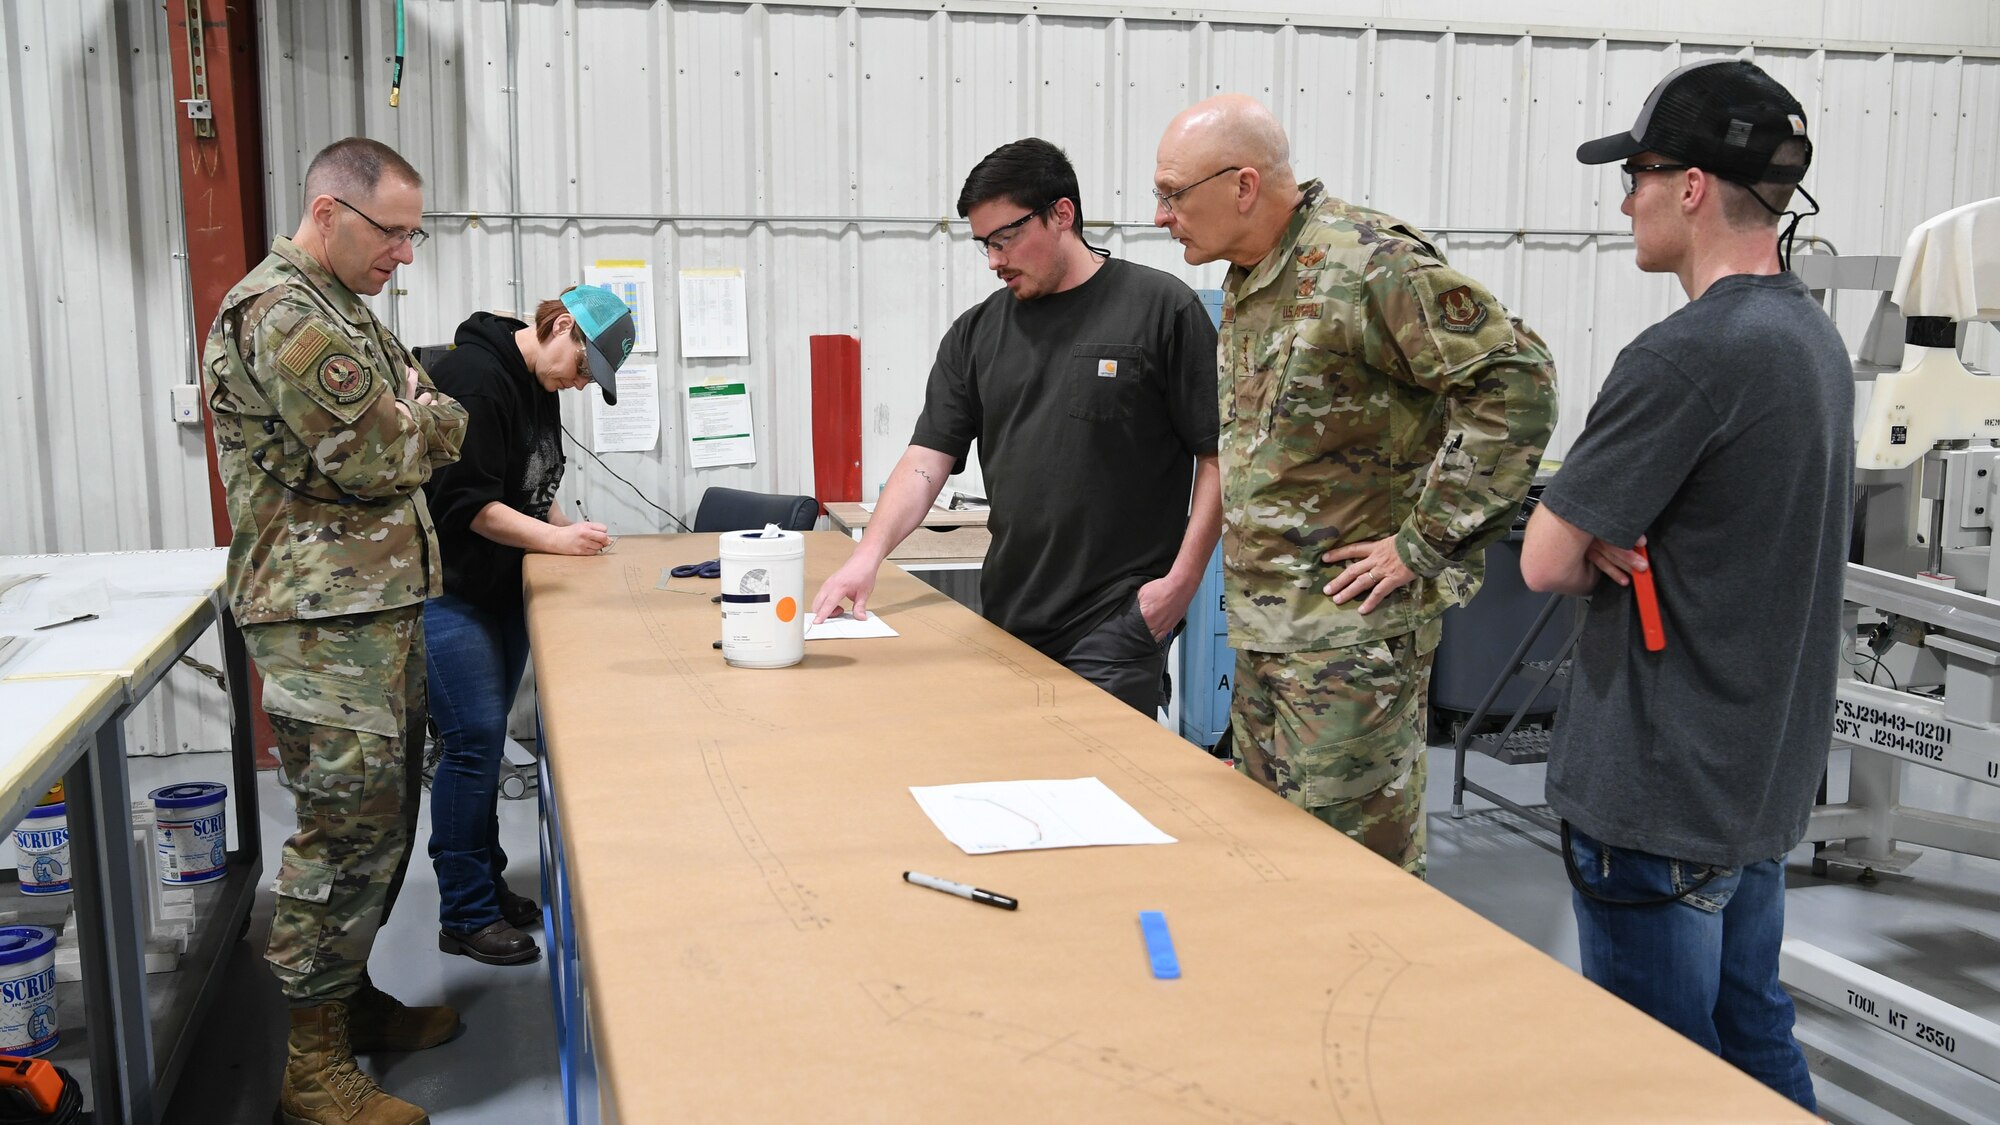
[1107,369]
[1798,124]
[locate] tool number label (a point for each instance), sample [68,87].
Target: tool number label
[1890,730]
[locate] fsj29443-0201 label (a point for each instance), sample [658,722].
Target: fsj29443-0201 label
[1929,740]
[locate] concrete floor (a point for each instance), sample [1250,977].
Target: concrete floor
[1935,930]
[501,1068]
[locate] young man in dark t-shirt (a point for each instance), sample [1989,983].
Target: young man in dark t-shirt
[1089,384]
[1722,443]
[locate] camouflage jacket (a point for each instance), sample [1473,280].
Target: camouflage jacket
[323,474]
[1368,390]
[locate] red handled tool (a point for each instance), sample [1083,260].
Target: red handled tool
[1649,604]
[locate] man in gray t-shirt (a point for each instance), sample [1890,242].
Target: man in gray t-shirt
[1722,444]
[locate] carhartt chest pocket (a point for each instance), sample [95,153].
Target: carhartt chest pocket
[1104,381]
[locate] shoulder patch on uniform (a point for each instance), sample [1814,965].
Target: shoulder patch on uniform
[304,347]
[1460,311]
[343,377]
[1304,310]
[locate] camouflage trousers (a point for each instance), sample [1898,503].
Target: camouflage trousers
[1340,733]
[346,700]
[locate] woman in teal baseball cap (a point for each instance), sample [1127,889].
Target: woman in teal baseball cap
[496,504]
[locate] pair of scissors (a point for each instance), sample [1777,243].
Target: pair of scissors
[710,569]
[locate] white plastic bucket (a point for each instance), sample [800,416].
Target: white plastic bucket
[193,836]
[42,841]
[27,990]
[763,591]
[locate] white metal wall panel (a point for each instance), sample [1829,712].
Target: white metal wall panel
[1438,113]
[96,321]
[726,109]
[1945,25]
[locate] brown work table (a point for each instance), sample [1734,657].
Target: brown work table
[731,844]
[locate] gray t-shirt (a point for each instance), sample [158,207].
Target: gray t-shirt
[1725,435]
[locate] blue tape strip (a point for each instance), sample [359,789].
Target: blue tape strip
[1159,945]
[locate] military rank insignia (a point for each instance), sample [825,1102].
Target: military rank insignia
[1311,256]
[1308,285]
[1460,310]
[342,377]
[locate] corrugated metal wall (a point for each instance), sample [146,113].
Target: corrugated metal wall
[833,121]
[93,319]
[721,111]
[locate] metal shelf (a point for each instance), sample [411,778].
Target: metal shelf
[175,1001]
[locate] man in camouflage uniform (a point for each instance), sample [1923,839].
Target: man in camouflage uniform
[326,429]
[1379,409]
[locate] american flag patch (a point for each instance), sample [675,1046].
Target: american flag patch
[304,348]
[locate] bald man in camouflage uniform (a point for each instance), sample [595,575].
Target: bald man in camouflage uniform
[1380,410]
[326,430]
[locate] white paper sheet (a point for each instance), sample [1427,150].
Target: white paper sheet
[1011,816]
[847,627]
[632,426]
[719,429]
[714,314]
[632,280]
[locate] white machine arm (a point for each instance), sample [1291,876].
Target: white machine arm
[1950,274]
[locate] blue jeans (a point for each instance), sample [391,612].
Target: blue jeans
[476,659]
[1705,965]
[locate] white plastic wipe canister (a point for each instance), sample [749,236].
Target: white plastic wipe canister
[763,588]
[193,835]
[42,842]
[27,990]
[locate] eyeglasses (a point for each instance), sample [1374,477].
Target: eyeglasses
[1629,173]
[396,235]
[1167,200]
[582,355]
[998,239]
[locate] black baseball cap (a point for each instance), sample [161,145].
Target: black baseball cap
[1724,116]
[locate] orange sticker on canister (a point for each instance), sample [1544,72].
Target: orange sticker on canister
[787,609]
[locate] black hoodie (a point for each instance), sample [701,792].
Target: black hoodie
[512,454]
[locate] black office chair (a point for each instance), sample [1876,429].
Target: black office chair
[733,509]
[429,354]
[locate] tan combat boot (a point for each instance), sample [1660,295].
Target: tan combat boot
[377,1021]
[322,1085]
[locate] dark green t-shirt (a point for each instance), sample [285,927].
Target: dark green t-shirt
[1089,407]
